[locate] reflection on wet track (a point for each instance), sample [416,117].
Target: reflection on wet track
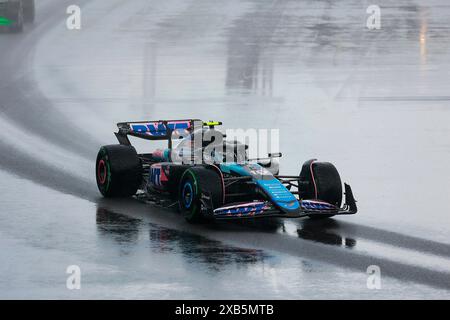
[310,230]
[374,102]
[194,248]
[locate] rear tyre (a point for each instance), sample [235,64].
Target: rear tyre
[29,11]
[323,182]
[199,187]
[118,171]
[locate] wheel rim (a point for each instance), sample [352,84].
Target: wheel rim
[187,195]
[101,171]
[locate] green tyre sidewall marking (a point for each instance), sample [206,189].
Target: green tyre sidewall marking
[5,21]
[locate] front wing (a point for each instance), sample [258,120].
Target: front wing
[260,209]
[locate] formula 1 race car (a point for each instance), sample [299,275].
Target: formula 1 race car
[14,13]
[206,183]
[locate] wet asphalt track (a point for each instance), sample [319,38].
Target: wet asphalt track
[376,103]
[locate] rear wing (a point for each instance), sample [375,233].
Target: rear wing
[156,130]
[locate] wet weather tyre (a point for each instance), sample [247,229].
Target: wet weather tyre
[118,171]
[200,188]
[29,11]
[324,183]
[328,181]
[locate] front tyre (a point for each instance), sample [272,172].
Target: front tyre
[321,181]
[118,171]
[200,188]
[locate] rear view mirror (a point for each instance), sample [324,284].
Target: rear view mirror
[275,155]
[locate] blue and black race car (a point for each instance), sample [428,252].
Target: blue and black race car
[206,184]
